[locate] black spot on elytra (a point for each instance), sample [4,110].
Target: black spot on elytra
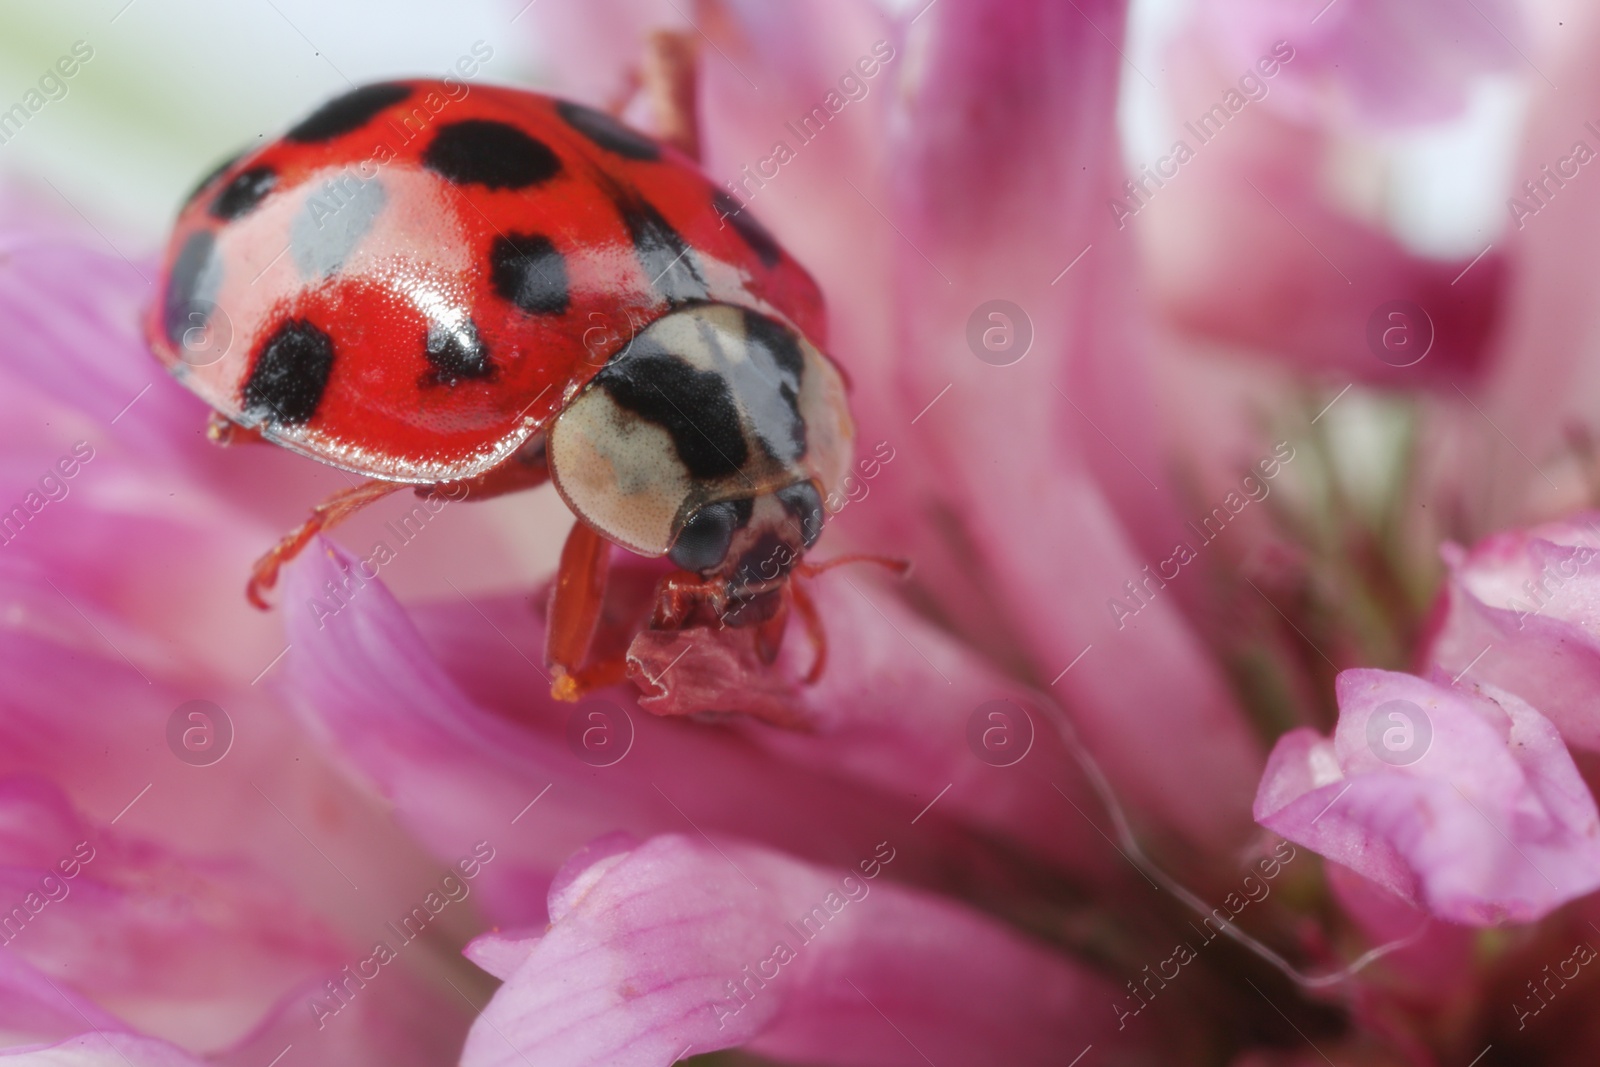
[694,407]
[492,154]
[663,253]
[290,373]
[607,132]
[346,113]
[457,354]
[735,214]
[527,270]
[243,192]
[212,175]
[192,286]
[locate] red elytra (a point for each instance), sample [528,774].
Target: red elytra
[436,285]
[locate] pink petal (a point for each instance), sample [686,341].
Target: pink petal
[35,1010]
[1013,456]
[203,902]
[1387,62]
[1280,271]
[644,967]
[894,707]
[1492,823]
[108,1049]
[592,50]
[137,925]
[502,952]
[457,767]
[400,1018]
[194,895]
[82,308]
[1544,379]
[1522,611]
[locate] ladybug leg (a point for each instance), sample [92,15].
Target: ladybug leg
[329,513]
[575,604]
[677,597]
[899,567]
[769,632]
[807,609]
[668,78]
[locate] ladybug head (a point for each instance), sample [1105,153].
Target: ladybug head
[711,438]
[751,542]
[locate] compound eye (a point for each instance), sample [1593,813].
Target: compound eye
[703,542]
[804,503]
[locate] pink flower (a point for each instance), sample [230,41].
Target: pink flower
[439,710]
[1521,611]
[1254,243]
[1461,800]
[719,947]
[1011,822]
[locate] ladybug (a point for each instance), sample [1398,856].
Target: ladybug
[482,289]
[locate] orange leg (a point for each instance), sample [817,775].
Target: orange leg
[575,603]
[900,567]
[679,596]
[668,76]
[769,632]
[814,629]
[523,469]
[326,515]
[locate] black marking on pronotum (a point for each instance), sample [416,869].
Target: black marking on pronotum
[776,339]
[192,286]
[212,175]
[607,132]
[243,192]
[346,113]
[493,154]
[527,270]
[457,354]
[783,348]
[290,373]
[662,252]
[735,214]
[694,407]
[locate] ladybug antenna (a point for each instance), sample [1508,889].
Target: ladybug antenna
[900,567]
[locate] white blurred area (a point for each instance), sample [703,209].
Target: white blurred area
[1440,189]
[174,86]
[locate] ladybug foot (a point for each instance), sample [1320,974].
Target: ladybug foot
[329,513]
[572,686]
[263,577]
